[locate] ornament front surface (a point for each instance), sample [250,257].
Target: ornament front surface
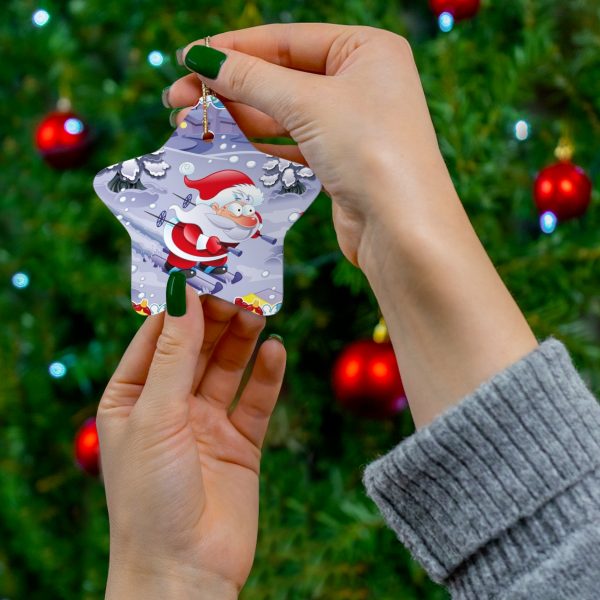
[218,210]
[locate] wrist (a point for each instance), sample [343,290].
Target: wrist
[447,310]
[408,217]
[164,580]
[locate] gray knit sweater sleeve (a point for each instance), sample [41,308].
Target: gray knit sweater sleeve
[499,497]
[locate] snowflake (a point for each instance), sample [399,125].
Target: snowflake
[287,173]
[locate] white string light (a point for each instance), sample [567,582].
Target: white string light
[40,17]
[20,280]
[156,58]
[548,221]
[521,130]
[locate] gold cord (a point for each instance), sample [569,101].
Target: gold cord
[205,92]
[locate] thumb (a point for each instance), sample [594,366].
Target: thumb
[274,90]
[173,366]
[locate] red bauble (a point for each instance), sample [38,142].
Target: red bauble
[459,9]
[366,380]
[564,189]
[87,448]
[63,140]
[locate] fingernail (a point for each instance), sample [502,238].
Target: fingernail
[205,60]
[173,118]
[176,294]
[179,55]
[274,336]
[165,97]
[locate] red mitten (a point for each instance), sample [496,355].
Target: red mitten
[214,245]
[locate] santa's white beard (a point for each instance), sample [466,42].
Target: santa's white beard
[212,224]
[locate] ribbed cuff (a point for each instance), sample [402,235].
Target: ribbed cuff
[501,462]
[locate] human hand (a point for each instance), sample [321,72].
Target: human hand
[180,469]
[350,97]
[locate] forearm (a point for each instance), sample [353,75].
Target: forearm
[452,321]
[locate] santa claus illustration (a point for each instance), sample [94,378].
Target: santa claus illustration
[223,216]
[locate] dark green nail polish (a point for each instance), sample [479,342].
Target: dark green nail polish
[205,60]
[274,336]
[176,294]
[280,141]
[173,118]
[165,97]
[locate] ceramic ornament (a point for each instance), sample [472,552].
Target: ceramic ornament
[216,209]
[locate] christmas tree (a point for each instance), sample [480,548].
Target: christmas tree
[503,86]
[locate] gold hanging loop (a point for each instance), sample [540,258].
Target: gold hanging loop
[205,93]
[380,332]
[564,150]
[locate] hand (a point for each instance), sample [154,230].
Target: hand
[213,245]
[181,469]
[351,98]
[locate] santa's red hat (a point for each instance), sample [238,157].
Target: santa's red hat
[212,184]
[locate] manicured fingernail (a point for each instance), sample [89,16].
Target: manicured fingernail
[205,60]
[274,336]
[176,294]
[173,118]
[165,97]
[179,55]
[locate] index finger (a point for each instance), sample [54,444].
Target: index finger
[133,366]
[300,46]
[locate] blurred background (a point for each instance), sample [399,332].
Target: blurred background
[507,84]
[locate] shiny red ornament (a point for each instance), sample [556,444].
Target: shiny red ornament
[63,140]
[87,448]
[564,189]
[459,9]
[366,380]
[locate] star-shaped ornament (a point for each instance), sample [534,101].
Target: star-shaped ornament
[217,209]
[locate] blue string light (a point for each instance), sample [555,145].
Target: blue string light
[20,280]
[57,370]
[548,222]
[446,21]
[156,58]
[73,126]
[40,17]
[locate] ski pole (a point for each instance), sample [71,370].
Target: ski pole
[268,239]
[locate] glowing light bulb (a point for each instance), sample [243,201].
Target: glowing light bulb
[548,222]
[156,58]
[446,22]
[20,280]
[521,130]
[40,17]
[57,370]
